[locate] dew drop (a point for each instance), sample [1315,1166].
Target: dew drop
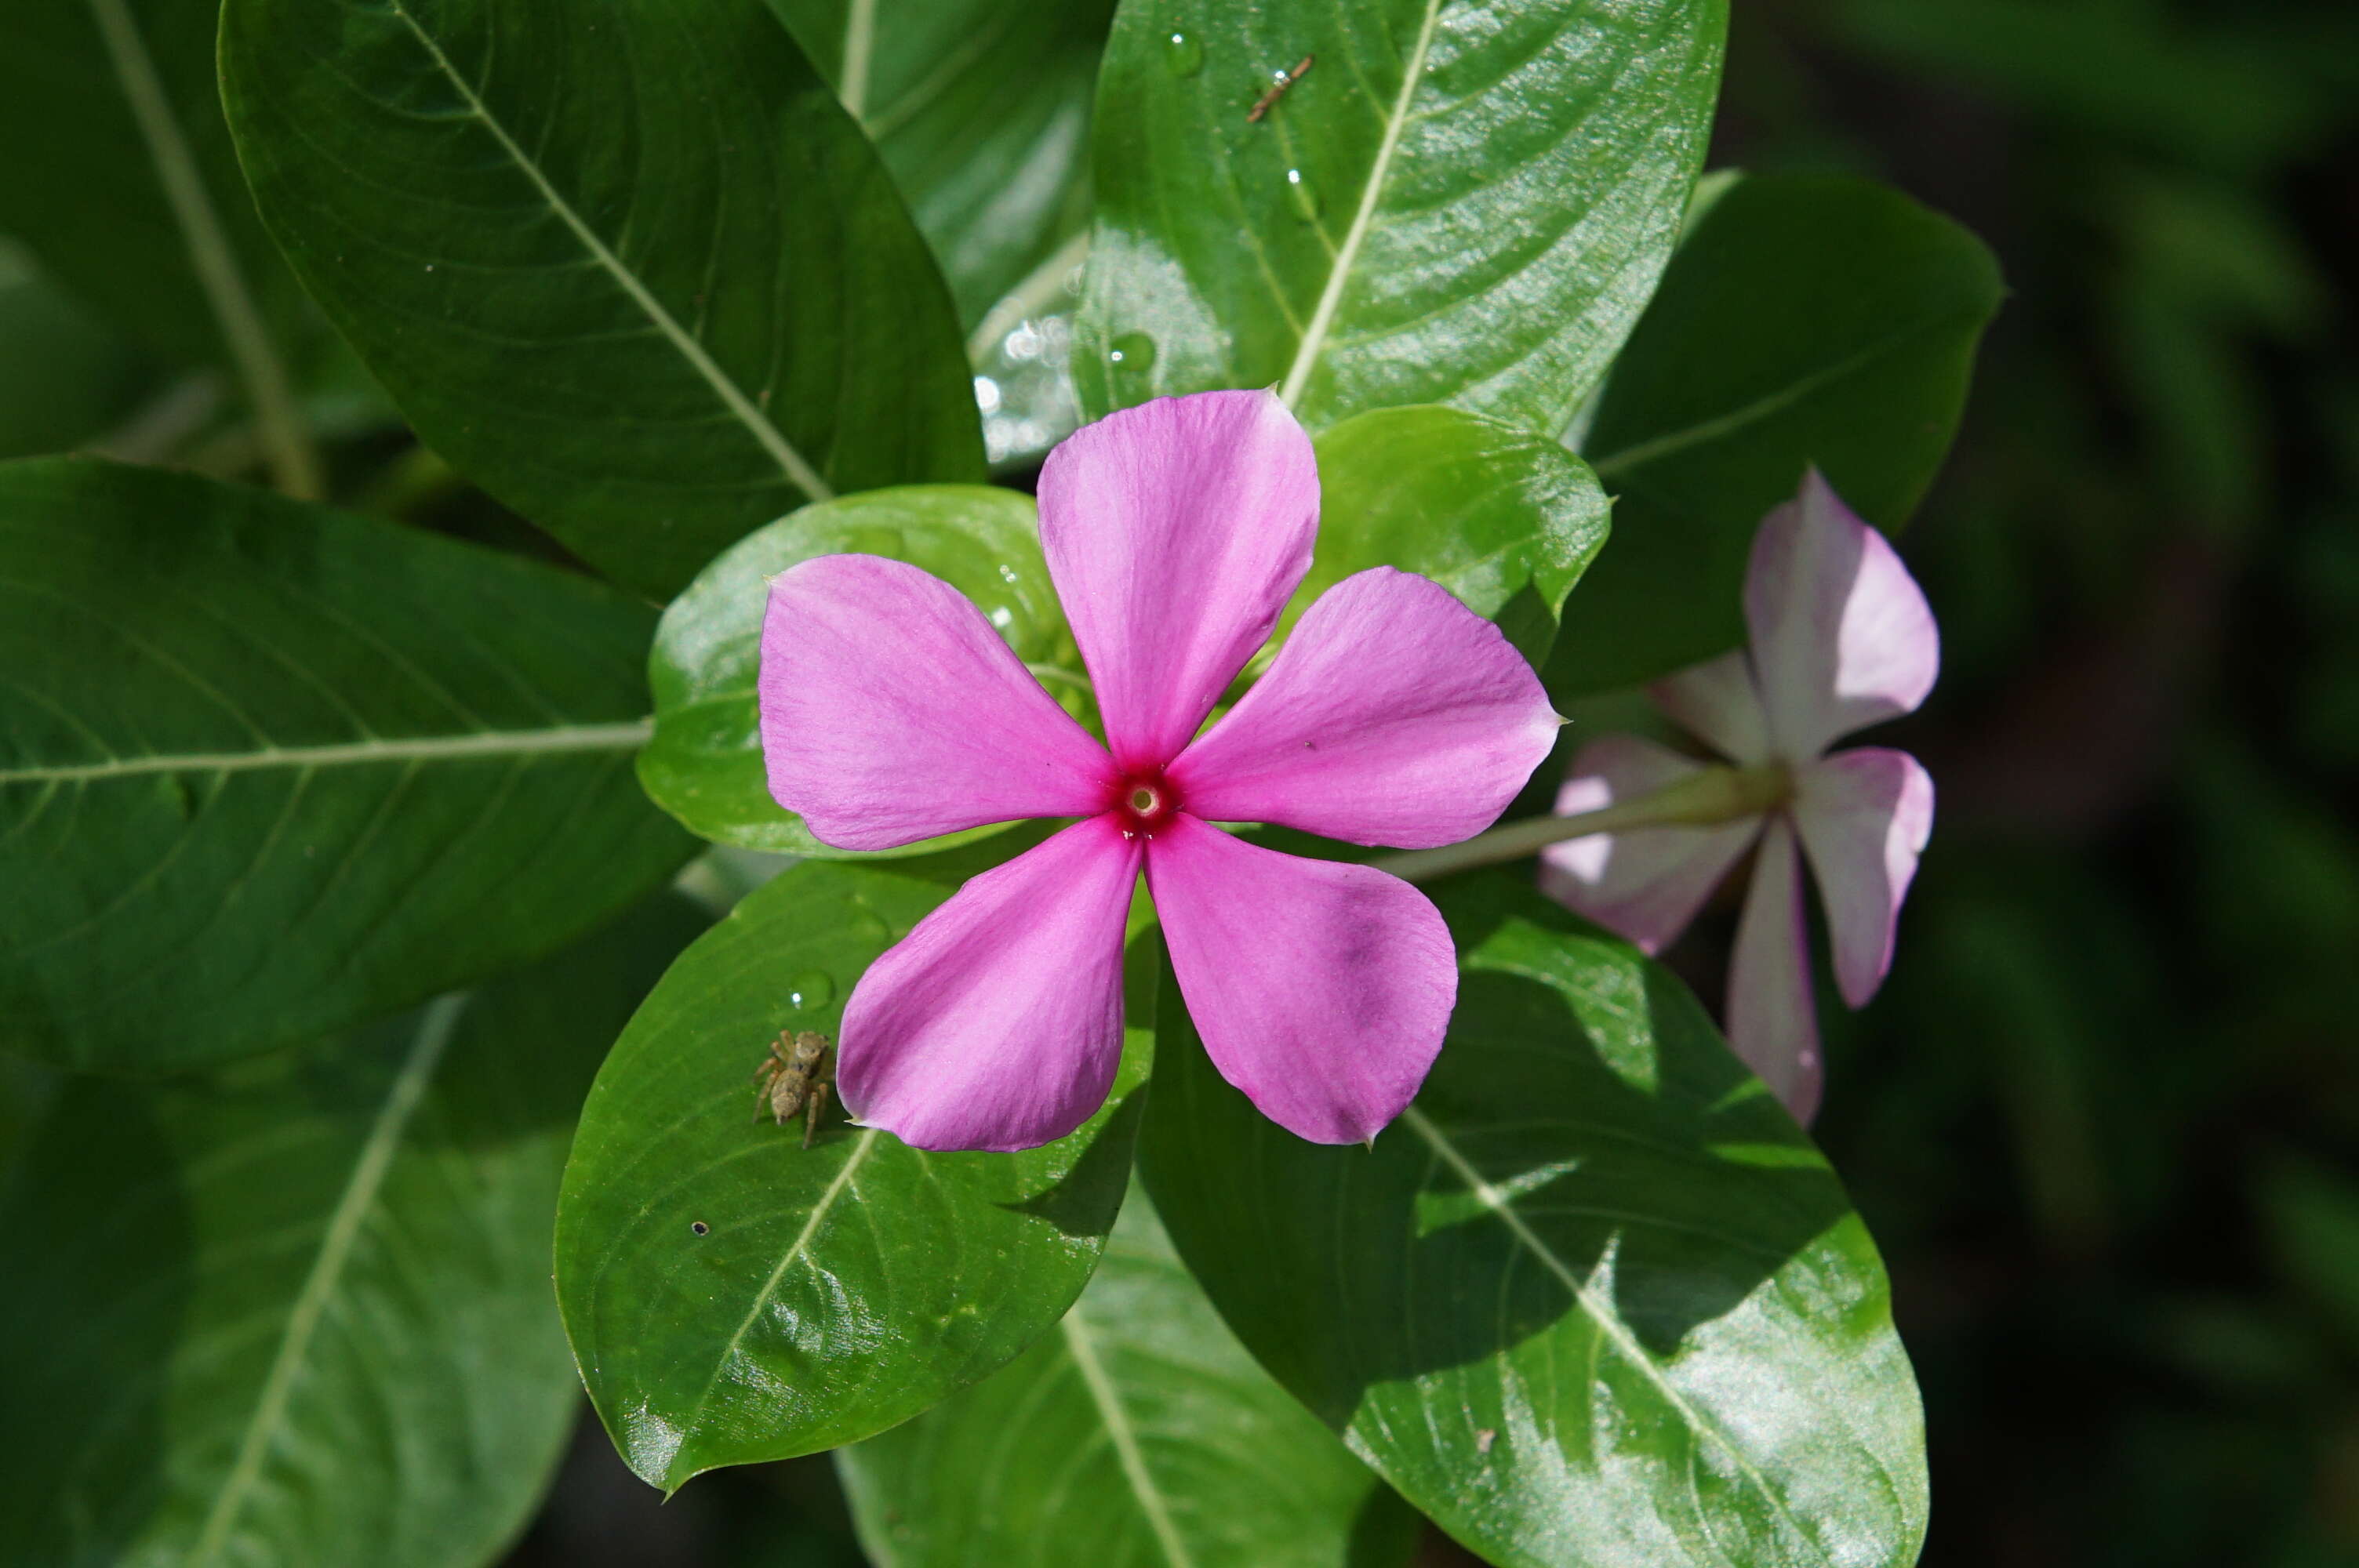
[1134,351]
[809,991]
[1304,195]
[1183,55]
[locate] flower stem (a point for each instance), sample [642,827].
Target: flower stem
[1703,799]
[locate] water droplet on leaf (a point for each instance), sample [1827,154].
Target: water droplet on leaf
[1183,55]
[1304,195]
[1134,351]
[809,991]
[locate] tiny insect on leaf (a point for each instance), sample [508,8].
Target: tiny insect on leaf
[1286,79]
[793,1078]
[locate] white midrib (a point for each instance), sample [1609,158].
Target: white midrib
[792,463]
[1314,336]
[1126,1440]
[423,748]
[859,50]
[294,462]
[401,1102]
[835,1189]
[1609,1326]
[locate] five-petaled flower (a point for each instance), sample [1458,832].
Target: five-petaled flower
[1840,638]
[1175,534]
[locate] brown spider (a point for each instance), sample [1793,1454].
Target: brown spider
[793,1078]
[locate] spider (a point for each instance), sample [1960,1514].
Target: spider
[793,1078]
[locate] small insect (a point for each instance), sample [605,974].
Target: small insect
[1484,1437]
[699,1227]
[793,1078]
[1286,79]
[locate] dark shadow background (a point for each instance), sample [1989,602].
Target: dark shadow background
[2101,1119]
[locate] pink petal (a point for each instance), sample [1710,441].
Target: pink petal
[996,1023]
[1717,702]
[1773,1022]
[1321,989]
[891,711]
[1864,815]
[1393,715]
[1842,635]
[1649,883]
[1175,533]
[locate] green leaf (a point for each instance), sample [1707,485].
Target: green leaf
[1593,1300]
[1141,1432]
[625,262]
[298,1311]
[64,377]
[981,109]
[1808,319]
[733,1297]
[134,197]
[267,771]
[704,766]
[1455,204]
[1504,519]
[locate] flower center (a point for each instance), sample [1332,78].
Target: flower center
[1144,802]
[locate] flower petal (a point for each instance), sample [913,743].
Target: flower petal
[1842,635]
[1649,882]
[1864,815]
[1175,533]
[996,1023]
[1772,1022]
[1717,702]
[891,711]
[1393,715]
[1321,990]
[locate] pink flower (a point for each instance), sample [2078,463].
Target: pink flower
[1840,638]
[1175,533]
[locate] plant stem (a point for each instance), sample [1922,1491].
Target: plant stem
[286,444]
[1705,799]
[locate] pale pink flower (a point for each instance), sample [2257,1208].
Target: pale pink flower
[1840,638]
[1175,533]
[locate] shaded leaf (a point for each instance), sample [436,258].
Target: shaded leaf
[981,109]
[832,1291]
[298,1311]
[1456,204]
[1808,319]
[704,764]
[1593,1300]
[1504,518]
[627,266]
[1140,1431]
[267,770]
[64,377]
[122,181]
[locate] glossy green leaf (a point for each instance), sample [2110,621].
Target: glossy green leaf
[1807,319]
[1593,1300]
[1504,518]
[1462,204]
[298,1311]
[267,771]
[121,177]
[625,262]
[704,764]
[981,109]
[733,1297]
[1140,1431]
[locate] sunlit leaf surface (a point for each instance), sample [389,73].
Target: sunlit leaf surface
[1592,1301]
